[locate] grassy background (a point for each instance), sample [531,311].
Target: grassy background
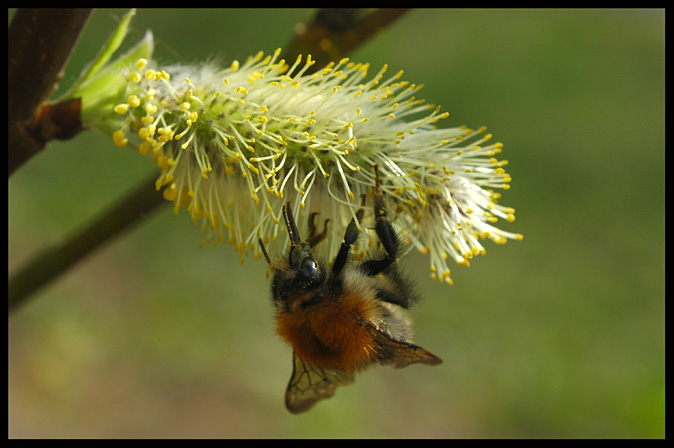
[559,335]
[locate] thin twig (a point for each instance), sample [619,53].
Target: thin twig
[333,33]
[56,260]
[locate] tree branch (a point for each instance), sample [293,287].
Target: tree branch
[56,260]
[40,42]
[332,33]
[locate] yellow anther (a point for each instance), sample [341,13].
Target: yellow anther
[133,101]
[119,138]
[121,108]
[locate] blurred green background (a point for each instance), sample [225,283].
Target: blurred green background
[560,335]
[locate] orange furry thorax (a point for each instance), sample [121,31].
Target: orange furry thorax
[332,334]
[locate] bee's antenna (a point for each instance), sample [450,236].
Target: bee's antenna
[264,252]
[290,224]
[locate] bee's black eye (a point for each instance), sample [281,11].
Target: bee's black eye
[309,268]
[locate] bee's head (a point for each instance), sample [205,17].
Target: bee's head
[308,271]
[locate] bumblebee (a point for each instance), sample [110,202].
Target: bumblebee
[343,318]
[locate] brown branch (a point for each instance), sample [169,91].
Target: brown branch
[39,44]
[332,33]
[58,259]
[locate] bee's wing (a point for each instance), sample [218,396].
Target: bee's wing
[309,383]
[392,352]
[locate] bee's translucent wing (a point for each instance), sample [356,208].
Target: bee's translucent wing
[309,384]
[392,352]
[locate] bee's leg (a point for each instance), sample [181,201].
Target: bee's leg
[350,237]
[312,225]
[315,238]
[384,230]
